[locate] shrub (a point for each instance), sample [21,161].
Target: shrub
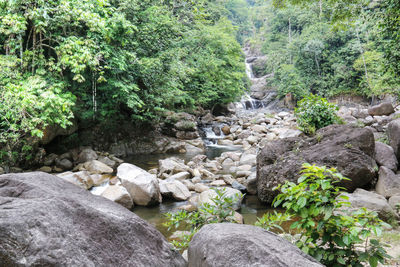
[314,112]
[328,232]
[220,210]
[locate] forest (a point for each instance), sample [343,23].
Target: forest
[103,62]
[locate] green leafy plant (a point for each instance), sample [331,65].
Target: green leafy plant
[328,232]
[219,210]
[315,112]
[273,221]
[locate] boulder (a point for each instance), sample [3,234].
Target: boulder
[118,194]
[388,183]
[46,221]
[393,133]
[226,129]
[394,202]
[229,244]
[174,189]
[64,164]
[97,167]
[199,188]
[99,179]
[371,201]
[171,166]
[248,159]
[87,154]
[350,150]
[381,109]
[81,179]
[206,196]
[141,185]
[384,156]
[180,176]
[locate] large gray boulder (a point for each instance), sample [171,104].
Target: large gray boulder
[370,200]
[388,183]
[384,156]
[141,185]
[228,244]
[46,221]
[393,132]
[381,109]
[350,150]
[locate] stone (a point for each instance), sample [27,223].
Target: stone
[188,184]
[248,159]
[350,150]
[218,183]
[384,156]
[87,154]
[81,179]
[64,164]
[228,179]
[229,244]
[393,133]
[252,139]
[174,189]
[388,183]
[228,163]
[118,194]
[251,185]
[361,198]
[46,169]
[50,159]
[97,167]
[186,125]
[238,186]
[394,202]
[141,185]
[226,129]
[381,109]
[109,162]
[244,168]
[180,176]
[99,179]
[171,166]
[51,222]
[207,195]
[242,173]
[199,188]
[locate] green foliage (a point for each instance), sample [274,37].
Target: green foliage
[219,210]
[314,112]
[330,233]
[273,221]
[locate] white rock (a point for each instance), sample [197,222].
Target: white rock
[199,188]
[95,166]
[174,189]
[118,194]
[81,179]
[141,185]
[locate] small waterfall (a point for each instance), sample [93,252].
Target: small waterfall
[211,134]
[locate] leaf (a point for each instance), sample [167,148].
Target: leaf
[301,202]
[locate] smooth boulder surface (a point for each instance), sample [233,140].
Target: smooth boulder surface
[393,132]
[174,189]
[118,194]
[46,221]
[95,166]
[350,150]
[384,156]
[141,185]
[228,244]
[381,109]
[388,183]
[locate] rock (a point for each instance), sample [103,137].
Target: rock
[174,189]
[46,169]
[394,202]
[171,166]
[187,135]
[109,162]
[226,129]
[228,179]
[381,109]
[118,194]
[252,139]
[52,131]
[199,188]
[384,156]
[206,196]
[393,133]
[64,164]
[388,183]
[99,179]
[50,159]
[248,159]
[97,167]
[141,185]
[81,179]
[348,149]
[188,184]
[218,183]
[87,154]
[370,200]
[251,186]
[238,186]
[180,176]
[229,244]
[50,222]
[186,125]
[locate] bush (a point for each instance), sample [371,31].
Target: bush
[314,112]
[219,211]
[328,232]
